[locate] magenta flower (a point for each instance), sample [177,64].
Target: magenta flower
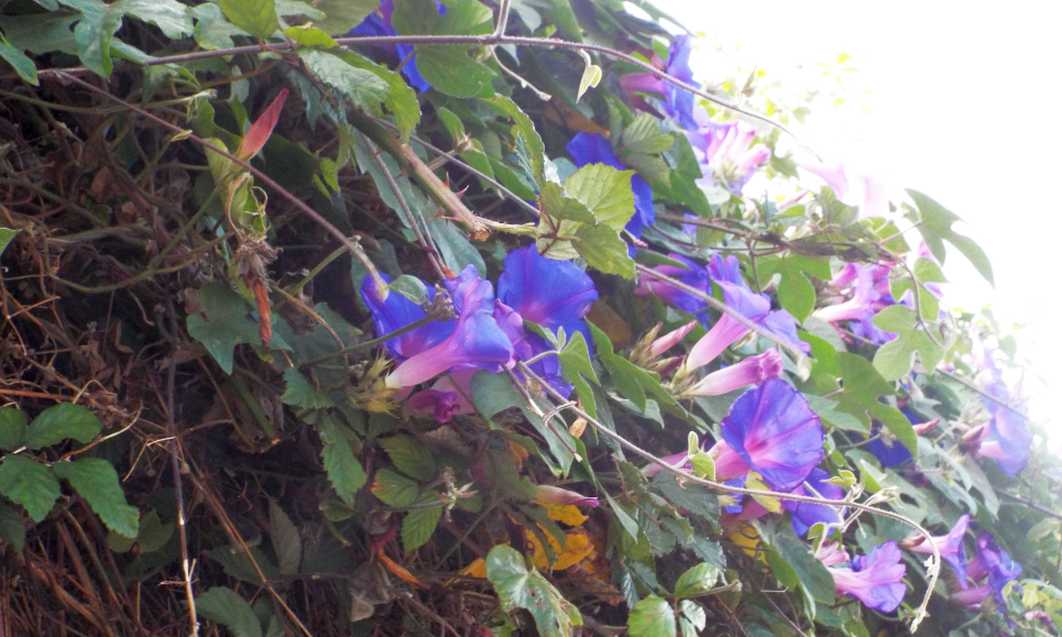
[751,371]
[771,430]
[950,546]
[392,310]
[753,306]
[875,579]
[991,569]
[1006,438]
[804,515]
[727,154]
[447,397]
[661,345]
[476,340]
[591,148]
[677,103]
[868,285]
[545,494]
[691,273]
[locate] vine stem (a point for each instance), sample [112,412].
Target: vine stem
[933,570]
[491,39]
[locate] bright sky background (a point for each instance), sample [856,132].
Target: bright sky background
[957,99]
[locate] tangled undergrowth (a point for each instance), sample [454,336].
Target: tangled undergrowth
[405,332]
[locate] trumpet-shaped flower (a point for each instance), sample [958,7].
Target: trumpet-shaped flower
[447,397]
[804,515]
[751,371]
[875,579]
[950,546]
[990,569]
[869,289]
[591,148]
[690,272]
[545,494]
[661,345]
[527,345]
[752,306]
[379,23]
[677,102]
[727,155]
[862,191]
[546,291]
[392,311]
[1006,438]
[771,430]
[476,340]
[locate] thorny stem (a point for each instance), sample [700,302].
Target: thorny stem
[933,570]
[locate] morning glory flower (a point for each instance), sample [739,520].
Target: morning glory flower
[804,515]
[446,398]
[527,345]
[545,494]
[1006,438]
[951,547]
[691,273]
[378,23]
[771,430]
[753,306]
[661,345]
[870,293]
[875,579]
[992,567]
[591,148]
[889,451]
[677,102]
[392,310]
[726,152]
[862,191]
[476,340]
[546,291]
[751,371]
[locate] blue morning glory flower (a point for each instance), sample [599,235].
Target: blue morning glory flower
[591,148]
[691,273]
[391,310]
[549,292]
[378,23]
[677,102]
[804,515]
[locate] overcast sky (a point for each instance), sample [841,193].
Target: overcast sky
[957,99]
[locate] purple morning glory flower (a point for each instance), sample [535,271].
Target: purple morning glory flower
[889,451]
[591,148]
[392,310]
[993,568]
[1006,438]
[753,306]
[378,23]
[950,546]
[546,495]
[875,579]
[527,345]
[726,152]
[546,291]
[862,191]
[476,340]
[678,103]
[750,371]
[804,515]
[868,285]
[771,430]
[447,397]
[691,273]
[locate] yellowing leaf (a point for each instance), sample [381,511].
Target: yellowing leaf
[399,571]
[567,513]
[754,481]
[577,547]
[478,569]
[746,537]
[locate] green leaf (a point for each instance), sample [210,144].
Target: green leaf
[410,287]
[222,322]
[591,78]
[643,136]
[652,617]
[450,70]
[897,424]
[12,530]
[345,472]
[577,369]
[974,254]
[394,489]
[793,564]
[401,100]
[60,422]
[94,32]
[518,587]
[419,524]
[697,580]
[224,606]
[6,235]
[690,497]
[361,86]
[606,193]
[604,250]
[171,17]
[12,428]
[936,228]
[26,70]
[556,203]
[257,17]
[344,15]
[796,293]
[285,538]
[212,30]
[692,619]
[96,480]
[895,358]
[410,457]
[524,132]
[30,484]
[298,392]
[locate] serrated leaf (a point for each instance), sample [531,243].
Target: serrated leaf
[361,86]
[222,323]
[212,30]
[96,481]
[298,392]
[394,489]
[410,457]
[450,70]
[419,524]
[12,427]
[697,579]
[285,538]
[519,587]
[61,422]
[12,530]
[344,15]
[652,617]
[257,17]
[29,484]
[604,250]
[556,203]
[224,606]
[401,100]
[606,193]
[344,471]
[644,136]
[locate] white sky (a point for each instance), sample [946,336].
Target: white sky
[957,99]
